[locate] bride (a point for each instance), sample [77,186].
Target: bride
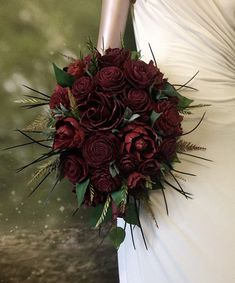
[196,242]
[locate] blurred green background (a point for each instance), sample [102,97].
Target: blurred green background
[32,34]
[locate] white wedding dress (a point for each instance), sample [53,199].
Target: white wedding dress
[196,242]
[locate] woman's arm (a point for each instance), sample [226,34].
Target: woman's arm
[112,23]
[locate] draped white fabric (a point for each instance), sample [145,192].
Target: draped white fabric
[196,242]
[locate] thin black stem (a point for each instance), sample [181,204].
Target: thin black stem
[174,187]
[39,184]
[75,211]
[185,86]
[24,144]
[52,189]
[141,229]
[164,197]
[195,126]
[177,182]
[30,106]
[132,236]
[184,173]
[195,156]
[188,81]
[30,138]
[154,59]
[39,92]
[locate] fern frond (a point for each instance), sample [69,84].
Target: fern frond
[38,125]
[27,101]
[198,105]
[45,169]
[148,207]
[92,193]
[104,212]
[185,112]
[184,146]
[124,200]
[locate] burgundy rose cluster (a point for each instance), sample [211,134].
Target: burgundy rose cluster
[114,139]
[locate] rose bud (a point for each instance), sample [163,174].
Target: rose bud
[167,148]
[136,180]
[81,89]
[139,74]
[59,97]
[151,168]
[76,68]
[114,57]
[169,123]
[110,79]
[127,163]
[69,134]
[140,140]
[73,167]
[102,112]
[139,101]
[103,181]
[100,149]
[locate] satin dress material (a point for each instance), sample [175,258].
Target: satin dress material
[196,241]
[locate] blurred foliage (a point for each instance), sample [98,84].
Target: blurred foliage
[33,33]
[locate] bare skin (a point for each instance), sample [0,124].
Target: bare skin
[112,23]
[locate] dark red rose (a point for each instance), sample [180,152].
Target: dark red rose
[76,68]
[135,180]
[139,74]
[169,123]
[151,168]
[167,148]
[127,163]
[59,97]
[74,168]
[139,101]
[103,181]
[102,112]
[81,89]
[110,79]
[140,140]
[69,134]
[114,57]
[100,149]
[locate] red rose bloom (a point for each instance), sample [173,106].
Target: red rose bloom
[81,89]
[139,101]
[167,148]
[169,123]
[151,168]
[69,134]
[140,140]
[127,163]
[74,168]
[110,79]
[102,112]
[139,74]
[59,97]
[100,149]
[103,181]
[114,57]
[135,180]
[76,68]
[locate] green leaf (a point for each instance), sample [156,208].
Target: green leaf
[154,116]
[81,190]
[119,196]
[117,236]
[127,114]
[131,216]
[95,213]
[63,78]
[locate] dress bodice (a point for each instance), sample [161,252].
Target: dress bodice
[190,36]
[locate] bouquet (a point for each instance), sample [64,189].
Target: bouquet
[113,129]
